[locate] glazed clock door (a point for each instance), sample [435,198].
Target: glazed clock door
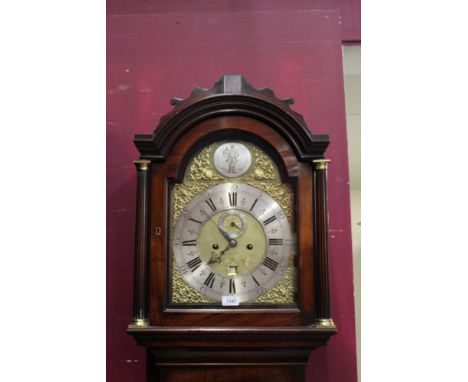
[232,243]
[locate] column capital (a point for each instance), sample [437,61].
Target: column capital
[321,164]
[142,164]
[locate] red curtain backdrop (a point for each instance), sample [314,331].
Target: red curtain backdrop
[159,50]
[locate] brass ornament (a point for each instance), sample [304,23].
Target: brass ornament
[321,164]
[284,291]
[201,166]
[139,323]
[325,323]
[263,168]
[201,175]
[182,293]
[183,193]
[142,164]
[281,192]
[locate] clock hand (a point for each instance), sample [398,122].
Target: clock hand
[225,234]
[217,258]
[234,224]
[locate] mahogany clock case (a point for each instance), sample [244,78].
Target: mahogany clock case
[275,335]
[163,175]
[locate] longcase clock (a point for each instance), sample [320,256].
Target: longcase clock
[231,254]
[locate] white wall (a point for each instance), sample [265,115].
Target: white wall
[352,78]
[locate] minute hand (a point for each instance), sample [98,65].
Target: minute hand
[225,234]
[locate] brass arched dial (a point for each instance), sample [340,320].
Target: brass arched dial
[232,240]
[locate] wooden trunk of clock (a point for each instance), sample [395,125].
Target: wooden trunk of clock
[241,366]
[190,335]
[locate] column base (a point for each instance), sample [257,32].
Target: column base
[325,323]
[139,323]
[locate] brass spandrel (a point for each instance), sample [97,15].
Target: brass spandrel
[281,192]
[284,291]
[201,166]
[263,168]
[182,293]
[183,193]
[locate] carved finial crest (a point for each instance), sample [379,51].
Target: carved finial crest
[233,84]
[232,94]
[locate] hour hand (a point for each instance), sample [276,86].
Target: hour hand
[226,235]
[215,258]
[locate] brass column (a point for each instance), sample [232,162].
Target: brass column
[140,309]
[323,318]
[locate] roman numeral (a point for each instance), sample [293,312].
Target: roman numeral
[255,280]
[194,220]
[275,241]
[233,199]
[270,263]
[253,205]
[210,280]
[188,243]
[194,263]
[269,220]
[232,286]
[211,204]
